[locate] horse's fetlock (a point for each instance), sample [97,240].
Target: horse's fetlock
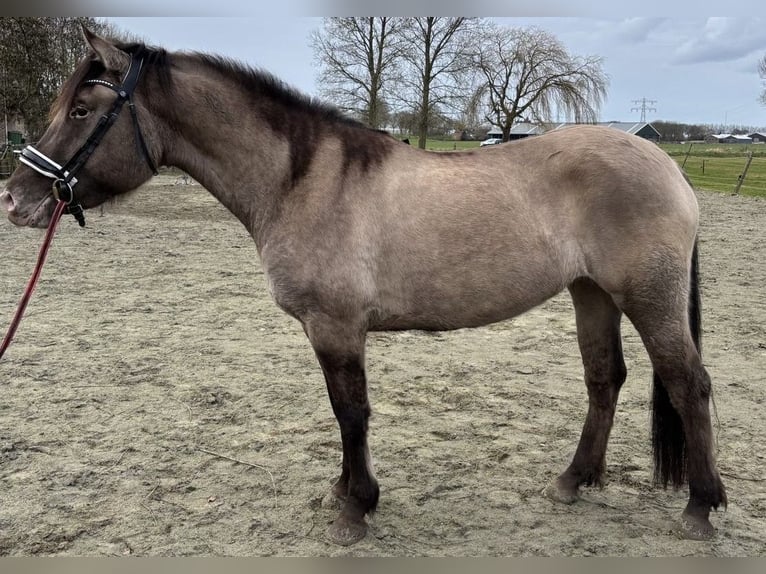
[709,492]
[366,494]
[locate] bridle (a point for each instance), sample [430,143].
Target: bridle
[65,176]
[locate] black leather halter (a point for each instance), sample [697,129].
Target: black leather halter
[64,176]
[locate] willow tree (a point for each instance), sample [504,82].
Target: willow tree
[527,74]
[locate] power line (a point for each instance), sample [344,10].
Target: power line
[644,107]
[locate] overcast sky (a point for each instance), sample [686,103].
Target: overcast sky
[696,70]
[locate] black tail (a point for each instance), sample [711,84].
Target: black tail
[695,308]
[668,438]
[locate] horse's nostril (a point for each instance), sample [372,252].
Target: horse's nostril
[6,200]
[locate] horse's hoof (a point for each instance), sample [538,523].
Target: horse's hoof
[346,532]
[559,492]
[696,528]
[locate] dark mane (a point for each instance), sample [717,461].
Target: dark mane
[265,84]
[303,121]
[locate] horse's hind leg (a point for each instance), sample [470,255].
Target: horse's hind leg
[598,334]
[340,351]
[682,430]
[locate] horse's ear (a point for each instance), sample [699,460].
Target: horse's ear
[105,52]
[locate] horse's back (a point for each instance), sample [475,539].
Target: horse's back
[503,229]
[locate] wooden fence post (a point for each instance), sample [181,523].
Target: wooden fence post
[688,151]
[741,178]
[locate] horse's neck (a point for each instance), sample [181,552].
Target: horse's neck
[216,137]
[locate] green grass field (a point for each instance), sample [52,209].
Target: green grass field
[721,174]
[715,150]
[444,145]
[714,167]
[718,167]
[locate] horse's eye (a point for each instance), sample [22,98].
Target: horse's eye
[79,113]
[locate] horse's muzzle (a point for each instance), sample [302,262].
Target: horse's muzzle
[39,217]
[6,201]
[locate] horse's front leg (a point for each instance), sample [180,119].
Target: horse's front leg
[340,351]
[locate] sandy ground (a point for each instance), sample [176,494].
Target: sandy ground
[152,355]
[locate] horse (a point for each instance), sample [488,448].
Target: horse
[358,233]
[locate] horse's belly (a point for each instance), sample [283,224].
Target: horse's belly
[442,303]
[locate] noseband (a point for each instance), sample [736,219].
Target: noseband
[64,176]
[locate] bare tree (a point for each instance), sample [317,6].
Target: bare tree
[356,56]
[529,75]
[762,73]
[436,65]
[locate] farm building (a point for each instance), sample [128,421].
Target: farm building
[14,129]
[519,131]
[757,137]
[641,129]
[729,139]
[524,129]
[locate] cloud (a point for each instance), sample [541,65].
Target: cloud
[721,40]
[636,30]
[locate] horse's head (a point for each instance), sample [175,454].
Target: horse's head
[94,148]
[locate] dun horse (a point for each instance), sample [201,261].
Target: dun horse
[357,232]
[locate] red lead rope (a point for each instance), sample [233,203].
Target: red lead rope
[60,207]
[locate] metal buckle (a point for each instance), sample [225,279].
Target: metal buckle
[57,191]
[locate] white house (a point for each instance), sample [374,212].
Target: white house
[729,139]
